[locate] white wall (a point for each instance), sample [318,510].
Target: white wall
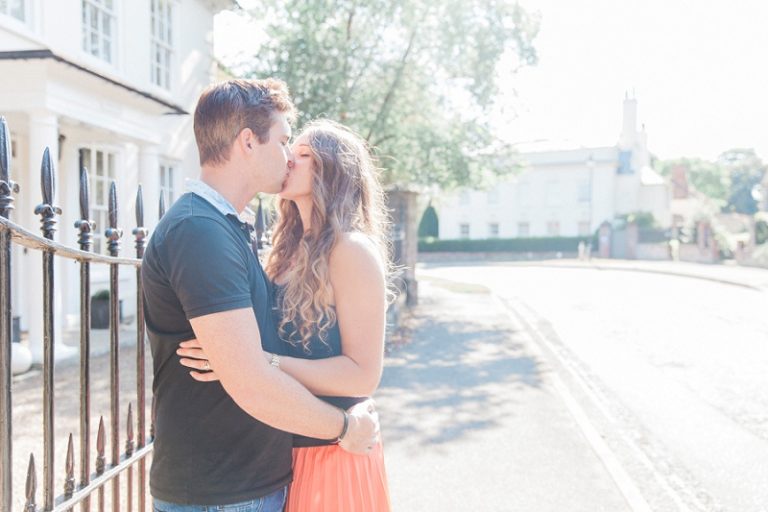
[92,112]
[547,190]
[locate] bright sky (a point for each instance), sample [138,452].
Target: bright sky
[697,68]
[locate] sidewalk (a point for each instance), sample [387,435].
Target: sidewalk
[474,418]
[749,277]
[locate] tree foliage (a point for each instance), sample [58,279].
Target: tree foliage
[745,170]
[429,226]
[414,77]
[707,177]
[729,179]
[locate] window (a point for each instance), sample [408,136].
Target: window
[523,229]
[493,230]
[99,28]
[101,170]
[464,230]
[625,162]
[14,8]
[162,42]
[584,228]
[553,228]
[167,183]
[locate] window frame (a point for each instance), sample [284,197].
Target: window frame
[553,228]
[99,7]
[25,7]
[162,41]
[172,189]
[98,210]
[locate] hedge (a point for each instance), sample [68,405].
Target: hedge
[543,244]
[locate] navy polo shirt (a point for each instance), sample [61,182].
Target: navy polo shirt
[207,450]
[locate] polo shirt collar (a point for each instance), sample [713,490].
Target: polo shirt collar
[202,189]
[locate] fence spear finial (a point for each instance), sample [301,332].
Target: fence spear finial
[47,210]
[69,482]
[113,233]
[7,187]
[31,486]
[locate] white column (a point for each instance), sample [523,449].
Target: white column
[67,272]
[43,132]
[149,178]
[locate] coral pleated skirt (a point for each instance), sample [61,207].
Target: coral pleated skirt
[328,479]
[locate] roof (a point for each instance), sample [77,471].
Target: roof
[49,55]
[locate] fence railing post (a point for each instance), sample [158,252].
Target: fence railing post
[85,226]
[7,188]
[48,211]
[113,235]
[140,234]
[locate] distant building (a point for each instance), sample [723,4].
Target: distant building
[563,192]
[114,81]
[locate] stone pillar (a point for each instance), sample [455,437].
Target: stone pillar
[403,207]
[43,132]
[604,240]
[633,237]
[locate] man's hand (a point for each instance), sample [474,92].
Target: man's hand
[363,430]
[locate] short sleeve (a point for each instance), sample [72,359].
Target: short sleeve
[208,267]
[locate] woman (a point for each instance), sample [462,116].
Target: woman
[329,264]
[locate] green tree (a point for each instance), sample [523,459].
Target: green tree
[709,178]
[429,226]
[415,77]
[746,170]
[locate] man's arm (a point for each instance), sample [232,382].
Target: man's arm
[232,343]
[211,282]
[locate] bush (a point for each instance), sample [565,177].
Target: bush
[761,232]
[429,225]
[543,244]
[101,295]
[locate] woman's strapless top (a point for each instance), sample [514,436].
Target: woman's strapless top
[290,345]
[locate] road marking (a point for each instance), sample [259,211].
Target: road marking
[623,481]
[626,485]
[676,487]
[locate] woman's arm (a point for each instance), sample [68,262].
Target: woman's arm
[357,277]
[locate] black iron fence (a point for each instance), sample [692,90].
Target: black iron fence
[129,459]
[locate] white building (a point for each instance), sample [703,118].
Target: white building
[116,80]
[563,192]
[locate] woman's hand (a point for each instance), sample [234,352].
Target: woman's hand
[193,356]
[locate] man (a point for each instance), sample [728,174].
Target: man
[201,280]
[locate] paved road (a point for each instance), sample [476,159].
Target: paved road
[474,417]
[549,388]
[670,371]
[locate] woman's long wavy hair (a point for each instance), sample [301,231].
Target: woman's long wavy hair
[346,197]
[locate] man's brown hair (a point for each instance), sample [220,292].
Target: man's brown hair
[226,108]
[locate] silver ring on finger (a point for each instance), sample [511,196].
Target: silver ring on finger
[206,366]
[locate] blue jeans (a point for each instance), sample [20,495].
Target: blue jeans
[271,503]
